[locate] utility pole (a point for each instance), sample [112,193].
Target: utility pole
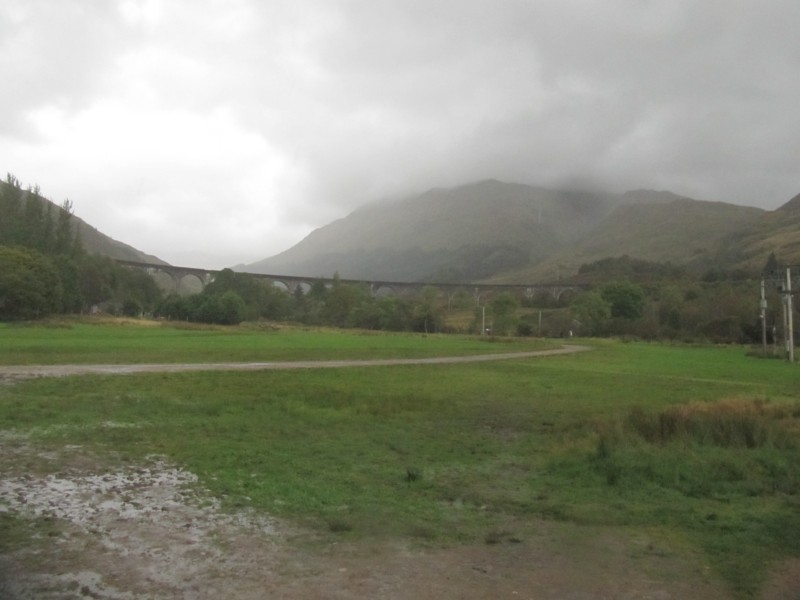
[763,306]
[789,317]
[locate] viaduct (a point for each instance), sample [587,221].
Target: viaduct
[188,280]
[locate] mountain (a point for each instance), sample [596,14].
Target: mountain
[512,233]
[459,234]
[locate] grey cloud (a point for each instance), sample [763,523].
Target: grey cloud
[357,100]
[53,53]
[679,83]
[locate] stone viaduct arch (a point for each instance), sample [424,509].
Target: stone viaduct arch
[188,280]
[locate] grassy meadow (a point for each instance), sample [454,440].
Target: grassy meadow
[121,341]
[695,444]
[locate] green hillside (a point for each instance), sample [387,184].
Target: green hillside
[680,231]
[777,231]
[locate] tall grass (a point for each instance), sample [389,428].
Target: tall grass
[732,468]
[729,423]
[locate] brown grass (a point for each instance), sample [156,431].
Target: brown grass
[733,422]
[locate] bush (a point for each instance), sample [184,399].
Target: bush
[626,299]
[29,284]
[131,308]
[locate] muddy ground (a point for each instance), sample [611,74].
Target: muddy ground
[150,531]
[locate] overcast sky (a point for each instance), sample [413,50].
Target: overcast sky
[212,132]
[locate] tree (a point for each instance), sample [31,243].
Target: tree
[341,300]
[29,284]
[260,298]
[95,283]
[174,307]
[10,211]
[64,240]
[131,308]
[231,309]
[626,299]
[592,311]
[503,309]
[771,268]
[427,315]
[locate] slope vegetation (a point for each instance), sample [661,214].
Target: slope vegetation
[777,231]
[681,231]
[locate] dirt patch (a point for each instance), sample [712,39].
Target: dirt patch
[150,531]
[147,531]
[784,582]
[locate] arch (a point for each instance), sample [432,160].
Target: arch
[564,294]
[384,291]
[190,284]
[281,285]
[165,281]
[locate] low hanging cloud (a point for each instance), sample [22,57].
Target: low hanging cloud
[226,131]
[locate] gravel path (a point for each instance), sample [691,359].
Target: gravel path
[14,372]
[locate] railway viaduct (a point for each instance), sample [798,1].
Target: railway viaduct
[188,280]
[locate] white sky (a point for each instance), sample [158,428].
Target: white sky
[212,132]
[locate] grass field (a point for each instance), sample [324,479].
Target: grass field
[97,341]
[700,444]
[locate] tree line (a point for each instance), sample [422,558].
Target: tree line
[672,306]
[653,300]
[234,297]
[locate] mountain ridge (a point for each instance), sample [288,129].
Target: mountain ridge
[514,233]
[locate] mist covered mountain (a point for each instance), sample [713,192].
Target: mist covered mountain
[508,232]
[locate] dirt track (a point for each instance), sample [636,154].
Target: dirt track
[28,371]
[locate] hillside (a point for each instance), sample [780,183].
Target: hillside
[96,242]
[511,233]
[680,231]
[777,231]
[93,240]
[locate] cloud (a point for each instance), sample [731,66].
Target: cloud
[233,128]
